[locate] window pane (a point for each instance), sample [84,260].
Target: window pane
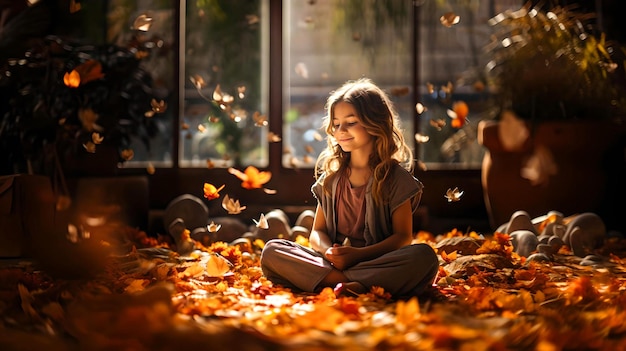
[451,71]
[222,121]
[332,41]
[157,35]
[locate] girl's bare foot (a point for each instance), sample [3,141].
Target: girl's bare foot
[349,289]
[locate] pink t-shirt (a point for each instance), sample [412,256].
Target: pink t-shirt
[350,212]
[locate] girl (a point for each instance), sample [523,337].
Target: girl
[362,230]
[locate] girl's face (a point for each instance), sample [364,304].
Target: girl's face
[348,129]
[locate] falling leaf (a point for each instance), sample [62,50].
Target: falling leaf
[241,91]
[317,136]
[453,195]
[84,73]
[430,88]
[259,120]
[458,114]
[88,119]
[74,6]
[127,154]
[90,147]
[158,106]
[96,138]
[540,166]
[71,79]
[209,163]
[400,91]
[63,202]
[150,168]
[72,233]
[449,19]
[420,138]
[437,123]
[222,97]
[212,227]
[232,206]
[273,138]
[262,222]
[302,70]
[269,191]
[251,177]
[197,81]
[421,165]
[420,108]
[142,23]
[512,131]
[211,192]
[346,242]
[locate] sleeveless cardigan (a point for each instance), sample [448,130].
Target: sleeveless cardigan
[400,186]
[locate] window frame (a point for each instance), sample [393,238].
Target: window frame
[292,184]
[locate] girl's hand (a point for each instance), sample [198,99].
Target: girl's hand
[342,257]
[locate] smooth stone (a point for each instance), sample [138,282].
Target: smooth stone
[202,235]
[544,238]
[189,208]
[231,229]
[538,257]
[589,223]
[520,220]
[244,244]
[545,249]
[595,258]
[300,231]
[580,242]
[176,230]
[524,242]
[305,219]
[559,230]
[556,242]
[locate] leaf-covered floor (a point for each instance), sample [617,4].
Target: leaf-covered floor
[150,298]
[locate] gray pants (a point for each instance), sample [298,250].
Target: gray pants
[403,272]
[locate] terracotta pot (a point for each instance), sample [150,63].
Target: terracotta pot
[587,159]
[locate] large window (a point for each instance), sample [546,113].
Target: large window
[426,54]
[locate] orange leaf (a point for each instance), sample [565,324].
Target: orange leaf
[89,70]
[71,79]
[211,192]
[449,257]
[251,177]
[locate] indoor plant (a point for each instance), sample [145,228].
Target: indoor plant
[559,86]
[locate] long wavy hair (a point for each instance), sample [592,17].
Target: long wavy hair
[380,119]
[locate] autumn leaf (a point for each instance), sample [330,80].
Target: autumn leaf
[211,192]
[83,73]
[251,177]
[448,257]
[217,266]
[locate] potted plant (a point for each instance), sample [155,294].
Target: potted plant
[559,86]
[70,108]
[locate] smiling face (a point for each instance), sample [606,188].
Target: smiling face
[348,129]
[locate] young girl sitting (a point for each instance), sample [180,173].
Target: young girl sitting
[366,195]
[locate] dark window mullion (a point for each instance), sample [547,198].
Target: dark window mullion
[276,83]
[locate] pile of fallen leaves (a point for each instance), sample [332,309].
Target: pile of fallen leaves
[486,297]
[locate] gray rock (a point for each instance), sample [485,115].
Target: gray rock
[189,208]
[305,219]
[520,220]
[524,242]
